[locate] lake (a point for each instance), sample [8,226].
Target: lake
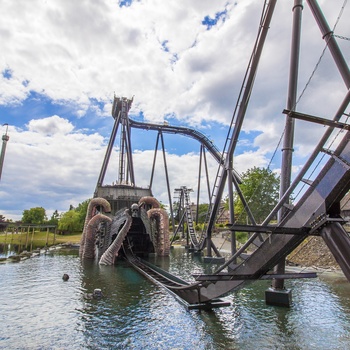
[39,310]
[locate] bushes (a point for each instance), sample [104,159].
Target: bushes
[242,237]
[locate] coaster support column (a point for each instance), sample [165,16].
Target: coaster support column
[277,295]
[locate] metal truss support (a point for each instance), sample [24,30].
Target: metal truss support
[154,161]
[338,242]
[167,178]
[108,151]
[287,151]
[327,35]
[340,112]
[120,111]
[243,104]
[202,158]
[126,167]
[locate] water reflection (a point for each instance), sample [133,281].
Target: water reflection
[7,250]
[41,311]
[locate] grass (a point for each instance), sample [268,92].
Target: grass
[38,238]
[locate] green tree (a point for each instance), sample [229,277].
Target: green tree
[54,218]
[81,210]
[260,187]
[35,216]
[69,221]
[74,218]
[202,212]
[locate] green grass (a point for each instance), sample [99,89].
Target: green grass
[39,239]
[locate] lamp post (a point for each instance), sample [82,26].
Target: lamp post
[5,138]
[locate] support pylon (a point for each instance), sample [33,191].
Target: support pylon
[5,138]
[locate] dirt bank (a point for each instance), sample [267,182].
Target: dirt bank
[313,252]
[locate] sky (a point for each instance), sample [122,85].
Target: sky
[183,62]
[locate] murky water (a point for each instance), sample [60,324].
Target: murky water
[38,310]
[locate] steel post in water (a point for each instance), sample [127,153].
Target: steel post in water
[287,151]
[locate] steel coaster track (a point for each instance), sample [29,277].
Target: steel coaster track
[315,213]
[152,272]
[310,213]
[176,286]
[192,133]
[196,242]
[170,129]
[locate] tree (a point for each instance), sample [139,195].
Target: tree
[81,210]
[69,221]
[54,218]
[74,218]
[202,212]
[260,187]
[35,216]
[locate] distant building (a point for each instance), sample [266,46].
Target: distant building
[223,216]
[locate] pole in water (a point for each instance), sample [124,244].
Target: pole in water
[277,294]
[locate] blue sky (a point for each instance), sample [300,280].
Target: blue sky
[62,62]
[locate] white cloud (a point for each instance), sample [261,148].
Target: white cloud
[54,170]
[81,53]
[79,50]
[49,169]
[50,126]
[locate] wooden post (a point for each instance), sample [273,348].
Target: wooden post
[27,237]
[31,242]
[20,240]
[47,236]
[54,235]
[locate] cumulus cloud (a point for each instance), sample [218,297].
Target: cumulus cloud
[50,126]
[183,61]
[48,169]
[161,53]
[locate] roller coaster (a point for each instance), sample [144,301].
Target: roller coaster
[317,212]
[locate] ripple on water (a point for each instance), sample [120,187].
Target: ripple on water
[40,311]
